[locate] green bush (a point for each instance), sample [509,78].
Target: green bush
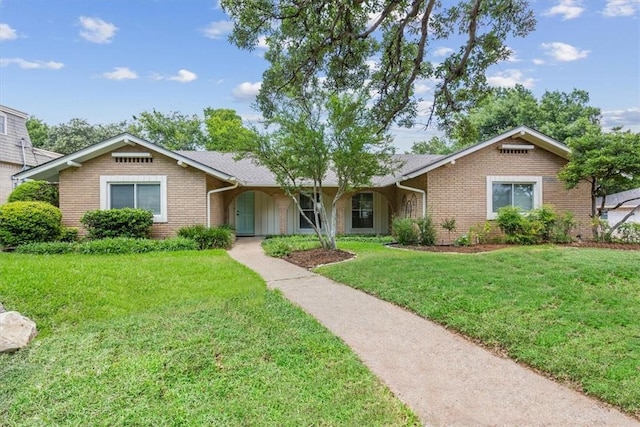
[628,232]
[126,222]
[47,248]
[27,222]
[208,238]
[536,226]
[118,245]
[405,231]
[35,191]
[69,234]
[427,231]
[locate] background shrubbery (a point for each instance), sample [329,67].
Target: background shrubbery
[117,245]
[27,222]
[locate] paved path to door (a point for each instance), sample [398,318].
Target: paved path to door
[445,379]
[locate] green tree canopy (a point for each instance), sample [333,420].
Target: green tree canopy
[381,46]
[72,136]
[609,162]
[225,130]
[175,131]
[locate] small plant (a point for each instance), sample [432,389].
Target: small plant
[69,234]
[481,233]
[28,222]
[35,191]
[464,240]
[125,222]
[427,231]
[449,224]
[405,231]
[208,238]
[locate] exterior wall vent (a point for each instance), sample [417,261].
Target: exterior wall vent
[138,157]
[515,148]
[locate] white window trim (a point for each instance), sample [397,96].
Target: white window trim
[535,180]
[3,116]
[105,194]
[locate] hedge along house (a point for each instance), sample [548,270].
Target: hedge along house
[519,167]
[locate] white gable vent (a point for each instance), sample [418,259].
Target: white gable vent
[139,157]
[515,148]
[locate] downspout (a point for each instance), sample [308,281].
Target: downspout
[218,190]
[24,156]
[417,190]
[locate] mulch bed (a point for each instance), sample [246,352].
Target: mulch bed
[314,257]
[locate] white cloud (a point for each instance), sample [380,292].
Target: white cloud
[31,65]
[218,29]
[246,91]
[564,52]
[629,119]
[121,73]
[442,51]
[538,61]
[184,76]
[569,9]
[510,78]
[262,43]
[7,33]
[96,30]
[621,7]
[421,87]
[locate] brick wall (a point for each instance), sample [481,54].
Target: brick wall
[460,190]
[186,189]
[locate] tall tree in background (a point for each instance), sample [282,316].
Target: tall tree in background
[71,136]
[315,135]
[225,130]
[378,45]
[609,162]
[175,131]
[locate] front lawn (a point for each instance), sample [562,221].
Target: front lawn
[574,313]
[183,338]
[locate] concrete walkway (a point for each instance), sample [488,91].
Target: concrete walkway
[445,379]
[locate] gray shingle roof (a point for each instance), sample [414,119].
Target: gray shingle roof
[11,143]
[251,174]
[614,199]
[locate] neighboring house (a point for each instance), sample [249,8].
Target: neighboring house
[628,201]
[16,152]
[519,167]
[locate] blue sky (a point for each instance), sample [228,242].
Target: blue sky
[106,60]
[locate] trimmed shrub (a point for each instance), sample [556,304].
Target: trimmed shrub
[28,222]
[536,226]
[125,222]
[405,231]
[629,232]
[69,234]
[35,191]
[208,238]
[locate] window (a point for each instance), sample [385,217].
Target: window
[306,204]
[362,210]
[3,124]
[142,192]
[524,192]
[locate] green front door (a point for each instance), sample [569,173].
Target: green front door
[245,214]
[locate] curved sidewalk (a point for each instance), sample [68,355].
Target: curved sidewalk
[445,379]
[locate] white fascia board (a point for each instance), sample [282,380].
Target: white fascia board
[111,144]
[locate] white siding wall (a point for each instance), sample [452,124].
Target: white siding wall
[266,214]
[6,183]
[618,214]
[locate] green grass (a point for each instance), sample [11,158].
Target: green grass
[169,339]
[573,313]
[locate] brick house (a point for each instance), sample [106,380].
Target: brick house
[16,151]
[198,187]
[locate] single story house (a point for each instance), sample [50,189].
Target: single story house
[628,201]
[519,167]
[16,152]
